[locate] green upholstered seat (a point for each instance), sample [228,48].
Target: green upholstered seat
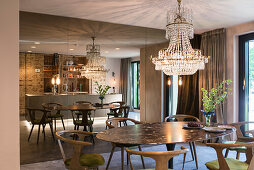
[232,163]
[112,114]
[89,160]
[37,122]
[55,116]
[79,122]
[240,148]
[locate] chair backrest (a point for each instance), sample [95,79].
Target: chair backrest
[114,122]
[77,145]
[51,107]
[161,157]
[83,102]
[37,114]
[121,103]
[219,148]
[181,118]
[125,111]
[238,126]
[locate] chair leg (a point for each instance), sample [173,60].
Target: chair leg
[63,123]
[55,124]
[191,151]
[43,131]
[122,156]
[129,157]
[195,154]
[237,155]
[226,153]
[77,127]
[38,136]
[111,154]
[142,159]
[30,133]
[184,157]
[51,128]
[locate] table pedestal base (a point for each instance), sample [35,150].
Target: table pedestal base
[170,147]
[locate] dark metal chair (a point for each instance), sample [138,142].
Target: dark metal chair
[54,114]
[41,121]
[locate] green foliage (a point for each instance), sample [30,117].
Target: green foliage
[215,96]
[100,90]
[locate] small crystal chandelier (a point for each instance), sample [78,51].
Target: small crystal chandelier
[94,68]
[179,58]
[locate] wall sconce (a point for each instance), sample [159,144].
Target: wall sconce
[169,81]
[180,82]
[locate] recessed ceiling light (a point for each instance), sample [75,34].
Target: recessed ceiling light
[106,51]
[117,48]
[33,47]
[37,43]
[29,51]
[71,49]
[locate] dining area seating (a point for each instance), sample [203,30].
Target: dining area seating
[127,136]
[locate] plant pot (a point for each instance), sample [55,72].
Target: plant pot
[208,116]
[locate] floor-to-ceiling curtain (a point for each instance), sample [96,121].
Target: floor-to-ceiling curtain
[213,44]
[125,80]
[188,92]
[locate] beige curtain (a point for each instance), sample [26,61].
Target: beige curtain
[125,80]
[213,44]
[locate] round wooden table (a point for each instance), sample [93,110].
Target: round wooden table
[157,133]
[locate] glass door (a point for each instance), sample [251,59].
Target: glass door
[135,84]
[246,77]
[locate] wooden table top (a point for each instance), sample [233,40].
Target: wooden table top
[157,133]
[80,107]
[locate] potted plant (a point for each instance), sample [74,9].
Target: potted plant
[101,91]
[213,98]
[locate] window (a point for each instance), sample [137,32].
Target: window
[135,84]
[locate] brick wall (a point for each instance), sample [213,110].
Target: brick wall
[30,82]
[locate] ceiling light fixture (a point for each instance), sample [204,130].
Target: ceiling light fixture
[179,58]
[33,47]
[71,49]
[29,51]
[37,43]
[106,52]
[117,48]
[95,66]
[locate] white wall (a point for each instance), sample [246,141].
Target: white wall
[9,86]
[114,65]
[232,59]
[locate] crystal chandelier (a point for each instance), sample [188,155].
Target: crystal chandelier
[179,58]
[94,68]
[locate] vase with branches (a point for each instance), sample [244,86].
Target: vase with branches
[101,90]
[211,99]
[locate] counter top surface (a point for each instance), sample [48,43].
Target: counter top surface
[68,94]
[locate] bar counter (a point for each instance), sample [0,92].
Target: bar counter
[35,101]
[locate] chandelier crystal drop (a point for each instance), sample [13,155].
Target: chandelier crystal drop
[179,58]
[94,68]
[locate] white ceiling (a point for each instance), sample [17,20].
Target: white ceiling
[58,34]
[207,14]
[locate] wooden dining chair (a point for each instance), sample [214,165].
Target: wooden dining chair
[78,160]
[229,163]
[239,134]
[39,117]
[53,114]
[116,112]
[113,123]
[79,113]
[161,157]
[186,118]
[84,121]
